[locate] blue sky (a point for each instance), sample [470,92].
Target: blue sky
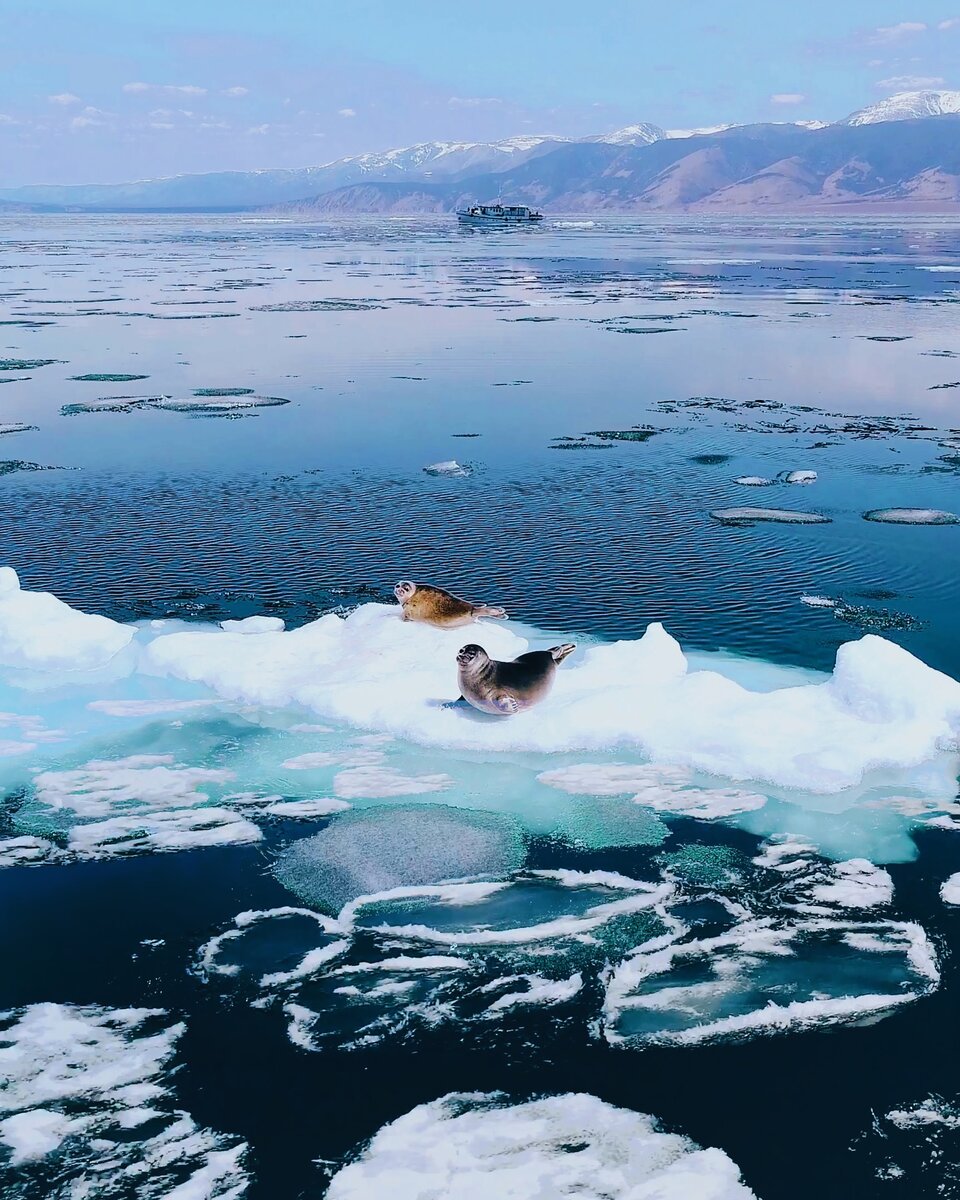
[109,90]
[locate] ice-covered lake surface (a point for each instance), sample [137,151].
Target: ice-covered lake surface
[277,918]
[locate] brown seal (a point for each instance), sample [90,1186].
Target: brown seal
[421,602]
[505,688]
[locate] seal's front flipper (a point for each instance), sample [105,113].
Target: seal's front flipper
[508,705]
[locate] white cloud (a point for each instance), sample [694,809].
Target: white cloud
[161,125]
[346,112]
[64,98]
[259,129]
[474,101]
[235,91]
[909,83]
[7,120]
[185,89]
[787,98]
[83,122]
[893,33]
[950,23]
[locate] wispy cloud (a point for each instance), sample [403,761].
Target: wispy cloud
[259,129]
[949,23]
[234,91]
[474,101]
[84,122]
[909,83]
[64,98]
[185,89]
[346,112]
[787,98]
[893,33]
[7,120]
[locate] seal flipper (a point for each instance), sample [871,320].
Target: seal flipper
[559,653]
[490,610]
[508,705]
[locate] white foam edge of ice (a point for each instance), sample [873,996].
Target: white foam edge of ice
[312,961]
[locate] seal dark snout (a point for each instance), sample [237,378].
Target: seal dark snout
[468,654]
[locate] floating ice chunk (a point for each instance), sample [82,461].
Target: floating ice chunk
[856,883]
[140,782]
[754,481]
[20,851]
[254,625]
[933,1111]
[40,632]
[785,853]
[704,803]
[468,1145]
[782,516]
[14,427]
[377,849]
[800,477]
[882,708]
[924,1139]
[450,467]
[176,829]
[819,971]
[950,891]
[78,1083]
[306,809]
[912,516]
[818,601]
[375,782]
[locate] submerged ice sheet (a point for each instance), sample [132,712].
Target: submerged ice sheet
[707,950]
[88,1101]
[467,1145]
[382,848]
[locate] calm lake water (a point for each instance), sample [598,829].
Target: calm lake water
[714,350]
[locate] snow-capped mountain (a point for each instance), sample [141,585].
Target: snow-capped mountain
[906,106]
[643,134]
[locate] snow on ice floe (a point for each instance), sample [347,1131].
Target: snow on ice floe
[40,632]
[912,516]
[88,1100]
[754,481]
[881,707]
[704,951]
[470,1144]
[666,789]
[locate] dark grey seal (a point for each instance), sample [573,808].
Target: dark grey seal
[505,688]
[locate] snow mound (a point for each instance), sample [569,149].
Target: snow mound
[377,849]
[39,632]
[467,1145]
[88,1099]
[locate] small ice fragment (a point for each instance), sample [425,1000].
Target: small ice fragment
[912,516]
[950,892]
[746,516]
[818,601]
[800,477]
[451,467]
[254,625]
[753,481]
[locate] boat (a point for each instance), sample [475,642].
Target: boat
[498,214]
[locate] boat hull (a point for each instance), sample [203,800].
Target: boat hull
[471,219]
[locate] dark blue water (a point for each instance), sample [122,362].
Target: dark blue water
[819,346]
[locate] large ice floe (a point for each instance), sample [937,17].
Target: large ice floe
[467,1145]
[88,1109]
[172,735]
[710,946]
